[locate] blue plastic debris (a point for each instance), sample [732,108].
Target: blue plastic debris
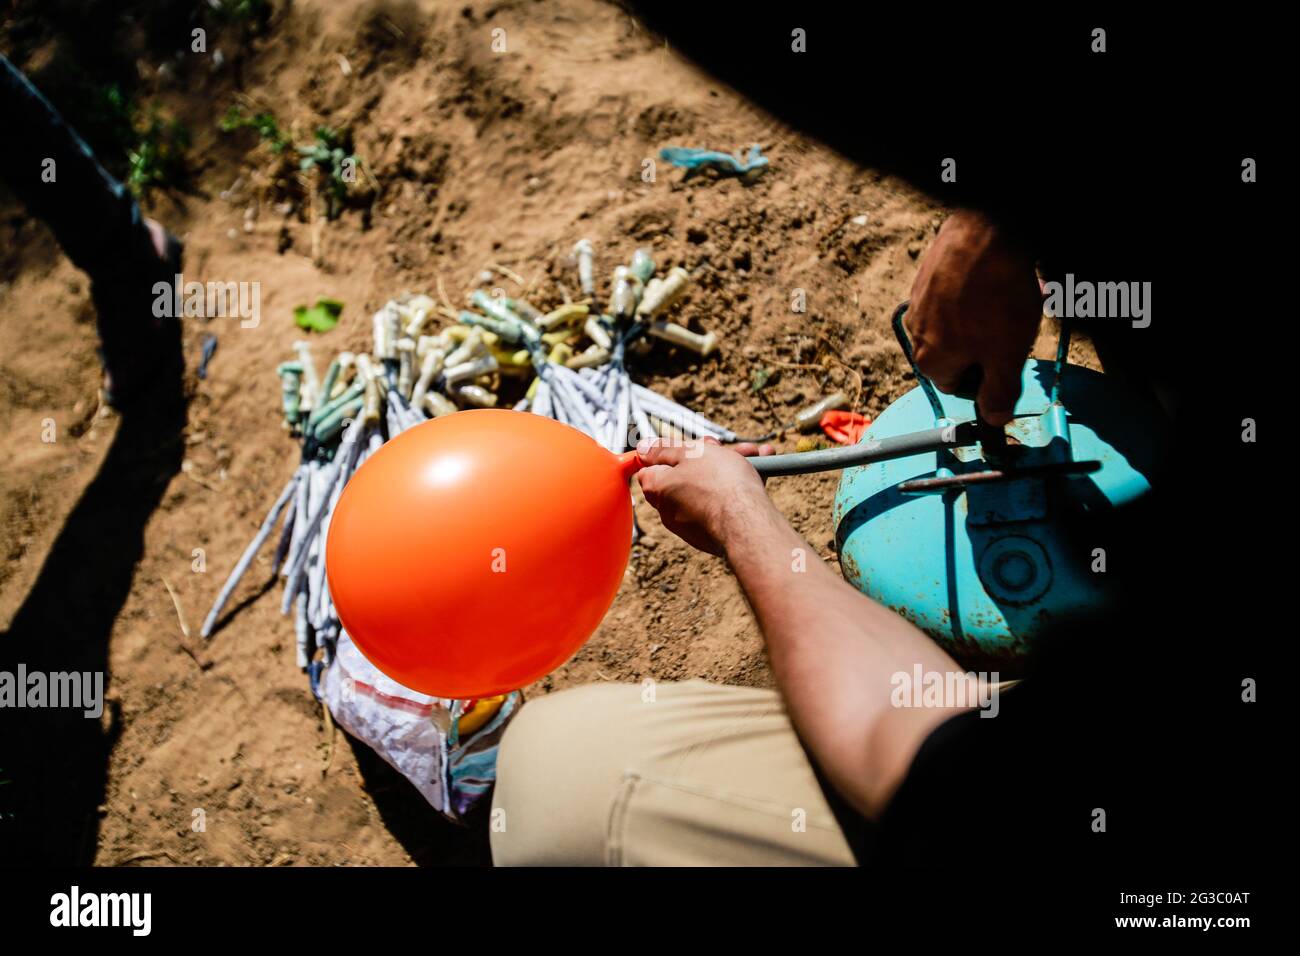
[689,158]
[209,347]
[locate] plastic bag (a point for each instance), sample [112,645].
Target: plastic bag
[416,734]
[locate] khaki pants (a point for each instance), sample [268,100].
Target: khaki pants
[691,774]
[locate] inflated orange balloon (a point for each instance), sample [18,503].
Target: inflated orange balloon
[473,554]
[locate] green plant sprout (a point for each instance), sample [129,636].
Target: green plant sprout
[263,123]
[155,147]
[158,157]
[332,156]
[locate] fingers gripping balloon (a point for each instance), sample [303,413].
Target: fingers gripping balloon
[473,554]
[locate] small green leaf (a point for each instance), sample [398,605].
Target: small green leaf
[321,317]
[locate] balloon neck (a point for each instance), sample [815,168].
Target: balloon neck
[629,463]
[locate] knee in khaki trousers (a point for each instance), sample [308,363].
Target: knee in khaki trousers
[690,774]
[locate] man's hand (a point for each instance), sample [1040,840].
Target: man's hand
[700,489]
[975,303]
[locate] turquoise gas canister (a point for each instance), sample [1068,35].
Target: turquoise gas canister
[987,548]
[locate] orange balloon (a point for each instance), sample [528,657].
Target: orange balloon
[474,553]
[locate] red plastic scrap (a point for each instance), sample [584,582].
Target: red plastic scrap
[845,428]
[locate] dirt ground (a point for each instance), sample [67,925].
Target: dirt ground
[478,157]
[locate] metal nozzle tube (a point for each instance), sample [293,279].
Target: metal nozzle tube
[866,452]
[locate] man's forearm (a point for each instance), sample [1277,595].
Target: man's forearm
[834,652]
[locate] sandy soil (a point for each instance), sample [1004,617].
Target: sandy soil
[478,157]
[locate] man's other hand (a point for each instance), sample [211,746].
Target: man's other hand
[975,303]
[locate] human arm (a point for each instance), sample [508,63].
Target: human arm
[834,652]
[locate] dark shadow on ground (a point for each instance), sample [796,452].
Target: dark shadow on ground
[55,761]
[425,834]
